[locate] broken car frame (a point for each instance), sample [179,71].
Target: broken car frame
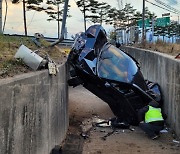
[111,74]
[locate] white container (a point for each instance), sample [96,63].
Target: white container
[29,57]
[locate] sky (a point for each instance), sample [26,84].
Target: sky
[37,23]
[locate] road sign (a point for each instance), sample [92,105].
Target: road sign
[146,23]
[163,22]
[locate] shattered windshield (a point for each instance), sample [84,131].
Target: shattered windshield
[115,65]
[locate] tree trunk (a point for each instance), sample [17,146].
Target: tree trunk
[0,16]
[143,24]
[24,13]
[84,12]
[101,17]
[58,22]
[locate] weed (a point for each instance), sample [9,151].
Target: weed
[163,47]
[9,66]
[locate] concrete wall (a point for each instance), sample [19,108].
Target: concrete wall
[33,112]
[165,70]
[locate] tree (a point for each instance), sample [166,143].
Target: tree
[138,16]
[169,30]
[116,18]
[85,6]
[129,13]
[24,10]
[53,10]
[56,13]
[99,13]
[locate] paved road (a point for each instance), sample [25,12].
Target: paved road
[84,106]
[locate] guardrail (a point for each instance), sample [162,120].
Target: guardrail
[65,42]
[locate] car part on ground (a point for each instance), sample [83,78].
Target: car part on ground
[34,61]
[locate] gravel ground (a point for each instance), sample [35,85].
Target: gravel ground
[84,107]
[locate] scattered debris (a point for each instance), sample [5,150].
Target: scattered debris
[84,135]
[108,134]
[177,56]
[175,141]
[132,129]
[104,124]
[36,39]
[116,123]
[52,66]
[86,126]
[164,131]
[113,124]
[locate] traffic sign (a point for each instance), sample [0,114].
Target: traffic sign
[146,23]
[163,22]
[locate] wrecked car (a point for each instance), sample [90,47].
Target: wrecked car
[111,74]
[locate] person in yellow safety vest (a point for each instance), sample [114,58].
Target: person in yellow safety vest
[151,119]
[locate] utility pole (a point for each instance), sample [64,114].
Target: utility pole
[143,23]
[63,23]
[178,26]
[0,16]
[153,29]
[64,17]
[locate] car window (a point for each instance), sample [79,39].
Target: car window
[115,65]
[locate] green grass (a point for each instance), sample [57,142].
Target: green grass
[163,47]
[9,66]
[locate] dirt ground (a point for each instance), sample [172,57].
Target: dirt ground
[84,106]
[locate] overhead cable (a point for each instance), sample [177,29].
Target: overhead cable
[167,6]
[162,7]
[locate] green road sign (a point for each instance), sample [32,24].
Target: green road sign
[163,22]
[146,23]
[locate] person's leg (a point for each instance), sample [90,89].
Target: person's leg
[157,129]
[151,130]
[147,128]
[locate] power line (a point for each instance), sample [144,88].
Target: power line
[173,2]
[167,6]
[37,20]
[161,7]
[31,19]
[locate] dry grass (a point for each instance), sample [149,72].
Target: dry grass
[160,46]
[9,66]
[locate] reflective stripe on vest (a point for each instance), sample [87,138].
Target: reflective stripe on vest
[153,114]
